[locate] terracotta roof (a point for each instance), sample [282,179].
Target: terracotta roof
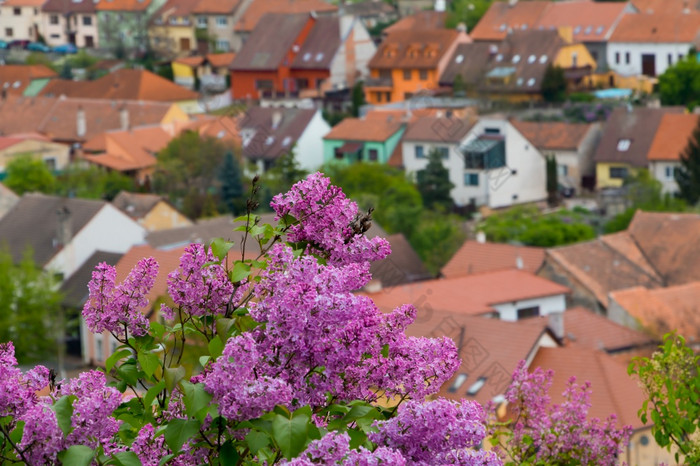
[475,257]
[612,390]
[128,150]
[590,21]
[502,16]
[363,129]
[218,60]
[488,348]
[123,5]
[15,78]
[658,27]
[471,294]
[192,62]
[672,136]
[123,84]
[402,266]
[173,9]
[664,310]
[69,6]
[438,129]
[551,135]
[265,51]
[321,45]
[23,3]
[638,126]
[419,21]
[33,222]
[262,140]
[369,8]
[259,8]
[665,6]
[222,7]
[224,128]
[75,289]
[406,49]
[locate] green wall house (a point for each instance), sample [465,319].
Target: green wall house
[123,25]
[362,140]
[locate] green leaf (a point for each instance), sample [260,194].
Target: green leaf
[77,455]
[223,327]
[157,329]
[203,360]
[240,271]
[128,372]
[257,440]
[16,434]
[291,434]
[64,411]
[172,375]
[114,358]
[125,458]
[220,248]
[196,398]
[385,350]
[228,454]
[216,347]
[179,431]
[149,362]
[153,392]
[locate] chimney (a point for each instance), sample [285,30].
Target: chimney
[64,229]
[556,324]
[276,118]
[462,27]
[519,262]
[512,3]
[80,123]
[124,118]
[480,237]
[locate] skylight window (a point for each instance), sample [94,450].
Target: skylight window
[516,59]
[459,381]
[16,84]
[531,59]
[577,29]
[503,27]
[623,145]
[588,30]
[520,81]
[476,386]
[459,59]
[269,140]
[307,56]
[523,27]
[543,59]
[319,57]
[531,82]
[499,57]
[286,141]
[599,30]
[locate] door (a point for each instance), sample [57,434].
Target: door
[89,42]
[648,64]
[184,44]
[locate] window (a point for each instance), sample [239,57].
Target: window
[482,153]
[338,154]
[680,56]
[459,381]
[471,179]
[476,386]
[492,131]
[8,32]
[543,59]
[671,172]
[87,20]
[670,59]
[221,21]
[263,84]
[50,163]
[373,155]
[588,30]
[623,145]
[619,173]
[201,21]
[55,36]
[628,58]
[222,45]
[574,60]
[531,82]
[53,19]
[407,75]
[516,58]
[617,57]
[17,11]
[420,154]
[423,74]
[387,96]
[444,152]
[527,312]
[562,170]
[577,29]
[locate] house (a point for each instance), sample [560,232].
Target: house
[26,80]
[647,44]
[658,311]
[308,56]
[514,68]
[496,166]
[202,231]
[627,137]
[669,143]
[150,211]
[20,20]
[479,256]
[55,156]
[505,294]
[407,63]
[257,9]
[504,17]
[409,7]
[71,121]
[214,23]
[171,29]
[64,232]
[571,144]
[370,139]
[402,266]
[203,73]
[123,24]
[657,250]
[370,12]
[70,22]
[268,133]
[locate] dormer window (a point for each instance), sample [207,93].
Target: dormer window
[623,145]
[531,82]
[459,58]
[503,27]
[499,57]
[476,386]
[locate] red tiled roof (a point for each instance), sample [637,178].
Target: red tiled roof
[590,21]
[419,21]
[223,7]
[658,27]
[552,135]
[128,150]
[501,16]
[475,257]
[672,136]
[123,5]
[359,129]
[259,8]
[15,78]
[408,49]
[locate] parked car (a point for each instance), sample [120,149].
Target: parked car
[4,44]
[18,44]
[65,49]
[38,47]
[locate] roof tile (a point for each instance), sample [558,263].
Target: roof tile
[475,257]
[672,136]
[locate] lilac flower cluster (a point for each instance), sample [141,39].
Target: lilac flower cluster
[17,390]
[326,218]
[118,308]
[334,449]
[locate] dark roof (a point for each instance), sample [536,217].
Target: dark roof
[369,8]
[438,129]
[408,49]
[638,126]
[135,205]
[34,222]
[265,51]
[475,58]
[402,266]
[70,6]
[75,290]
[263,140]
[320,45]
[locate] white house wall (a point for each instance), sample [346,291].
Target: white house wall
[110,230]
[636,50]
[454,164]
[547,304]
[308,150]
[663,172]
[354,37]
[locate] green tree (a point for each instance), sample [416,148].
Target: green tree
[671,381]
[187,171]
[436,237]
[468,12]
[688,177]
[280,177]
[434,183]
[28,174]
[92,182]
[29,304]
[231,184]
[554,84]
[358,98]
[680,83]
[552,181]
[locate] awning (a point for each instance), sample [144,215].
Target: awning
[350,147]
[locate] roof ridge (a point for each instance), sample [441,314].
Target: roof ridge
[634,264]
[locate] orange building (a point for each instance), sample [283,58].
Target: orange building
[407,63]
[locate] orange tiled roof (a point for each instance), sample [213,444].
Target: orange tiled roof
[552,135]
[259,8]
[15,78]
[123,5]
[475,257]
[672,136]
[222,7]
[128,150]
[419,21]
[658,27]
[501,16]
[23,3]
[590,21]
[192,62]
[406,49]
[218,60]
[368,129]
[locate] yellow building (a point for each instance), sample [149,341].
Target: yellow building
[56,156]
[150,211]
[171,31]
